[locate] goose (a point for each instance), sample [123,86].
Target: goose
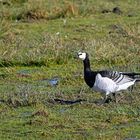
[106,82]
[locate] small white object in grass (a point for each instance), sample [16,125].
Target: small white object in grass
[58,33]
[64,22]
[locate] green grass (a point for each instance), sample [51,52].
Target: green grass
[39,41]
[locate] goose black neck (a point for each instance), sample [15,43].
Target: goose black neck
[86,64]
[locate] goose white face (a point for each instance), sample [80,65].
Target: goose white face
[82,55]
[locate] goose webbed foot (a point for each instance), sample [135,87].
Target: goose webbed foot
[107,100]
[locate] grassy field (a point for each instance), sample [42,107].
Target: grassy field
[42,90]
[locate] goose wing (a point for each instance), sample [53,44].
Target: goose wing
[117,77]
[132,75]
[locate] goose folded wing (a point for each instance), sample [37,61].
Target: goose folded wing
[131,74]
[117,77]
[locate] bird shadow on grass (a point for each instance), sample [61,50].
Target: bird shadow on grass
[78,101]
[120,99]
[68,102]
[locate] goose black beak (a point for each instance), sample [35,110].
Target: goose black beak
[76,55]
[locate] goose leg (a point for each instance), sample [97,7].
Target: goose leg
[114,95]
[131,88]
[106,99]
[103,100]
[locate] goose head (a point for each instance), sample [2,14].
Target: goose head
[82,55]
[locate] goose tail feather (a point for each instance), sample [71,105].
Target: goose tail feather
[137,80]
[133,75]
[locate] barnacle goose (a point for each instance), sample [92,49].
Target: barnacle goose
[106,82]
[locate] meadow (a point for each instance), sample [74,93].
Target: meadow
[42,90]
